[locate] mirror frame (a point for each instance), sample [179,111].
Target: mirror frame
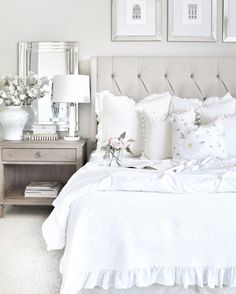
[71,50]
[25,48]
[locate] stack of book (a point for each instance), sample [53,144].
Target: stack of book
[43,189]
[44,131]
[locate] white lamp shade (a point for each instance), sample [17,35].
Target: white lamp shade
[71,89]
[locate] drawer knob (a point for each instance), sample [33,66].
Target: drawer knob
[38,155]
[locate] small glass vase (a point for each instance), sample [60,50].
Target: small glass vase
[114,159]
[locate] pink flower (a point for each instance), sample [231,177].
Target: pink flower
[115,143]
[124,143]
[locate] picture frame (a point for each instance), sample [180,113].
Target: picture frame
[229,21]
[192,20]
[136,20]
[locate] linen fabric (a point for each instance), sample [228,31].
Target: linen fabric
[179,105]
[171,225]
[190,141]
[158,134]
[118,114]
[230,135]
[209,109]
[214,107]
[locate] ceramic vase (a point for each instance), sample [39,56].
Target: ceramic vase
[13,120]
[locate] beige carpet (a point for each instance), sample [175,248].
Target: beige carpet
[26,267]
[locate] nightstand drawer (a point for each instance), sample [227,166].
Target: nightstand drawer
[24,154]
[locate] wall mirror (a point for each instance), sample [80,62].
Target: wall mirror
[48,59]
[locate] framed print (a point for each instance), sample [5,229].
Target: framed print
[136,20]
[192,20]
[229,22]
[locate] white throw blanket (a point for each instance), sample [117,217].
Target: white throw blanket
[178,230]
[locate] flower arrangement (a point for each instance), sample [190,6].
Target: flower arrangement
[17,91]
[115,147]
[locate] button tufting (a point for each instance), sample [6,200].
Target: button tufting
[218,76]
[139,76]
[112,76]
[191,76]
[165,75]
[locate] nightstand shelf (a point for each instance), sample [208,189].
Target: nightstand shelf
[23,162]
[16,198]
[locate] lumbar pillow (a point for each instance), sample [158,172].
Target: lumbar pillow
[158,134]
[118,114]
[190,141]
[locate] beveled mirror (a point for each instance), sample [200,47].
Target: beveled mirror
[48,59]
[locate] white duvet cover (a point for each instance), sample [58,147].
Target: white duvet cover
[172,224]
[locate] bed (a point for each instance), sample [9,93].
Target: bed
[168,229]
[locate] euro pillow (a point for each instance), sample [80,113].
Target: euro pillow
[214,107]
[179,105]
[118,114]
[190,141]
[209,109]
[158,134]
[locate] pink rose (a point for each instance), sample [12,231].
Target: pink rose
[124,143]
[115,143]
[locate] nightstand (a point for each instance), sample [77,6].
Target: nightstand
[22,162]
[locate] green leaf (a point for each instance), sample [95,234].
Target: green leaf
[129,150]
[122,136]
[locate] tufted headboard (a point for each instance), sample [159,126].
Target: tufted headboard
[138,77]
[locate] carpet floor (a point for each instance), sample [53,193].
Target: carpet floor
[26,267]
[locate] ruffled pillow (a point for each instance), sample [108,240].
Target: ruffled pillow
[209,110]
[118,114]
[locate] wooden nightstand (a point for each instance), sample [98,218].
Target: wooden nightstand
[24,161]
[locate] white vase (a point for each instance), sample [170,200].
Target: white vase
[13,120]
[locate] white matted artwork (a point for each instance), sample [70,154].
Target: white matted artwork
[136,20]
[229,23]
[192,20]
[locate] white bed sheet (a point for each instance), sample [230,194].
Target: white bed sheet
[121,239]
[158,289]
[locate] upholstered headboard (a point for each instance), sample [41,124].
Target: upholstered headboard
[137,77]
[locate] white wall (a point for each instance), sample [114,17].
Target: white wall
[89,23]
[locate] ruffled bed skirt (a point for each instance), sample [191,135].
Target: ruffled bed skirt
[167,276]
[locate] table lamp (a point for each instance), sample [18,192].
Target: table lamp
[71,89]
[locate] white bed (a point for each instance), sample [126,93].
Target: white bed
[133,229]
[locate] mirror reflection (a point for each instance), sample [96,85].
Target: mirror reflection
[48,58]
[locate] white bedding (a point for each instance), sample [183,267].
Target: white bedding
[178,230]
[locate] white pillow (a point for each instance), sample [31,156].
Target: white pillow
[209,109]
[190,141]
[230,135]
[158,133]
[179,105]
[118,114]
[157,144]
[214,107]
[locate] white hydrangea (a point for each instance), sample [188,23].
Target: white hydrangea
[15,90]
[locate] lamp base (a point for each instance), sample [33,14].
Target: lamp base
[72,138]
